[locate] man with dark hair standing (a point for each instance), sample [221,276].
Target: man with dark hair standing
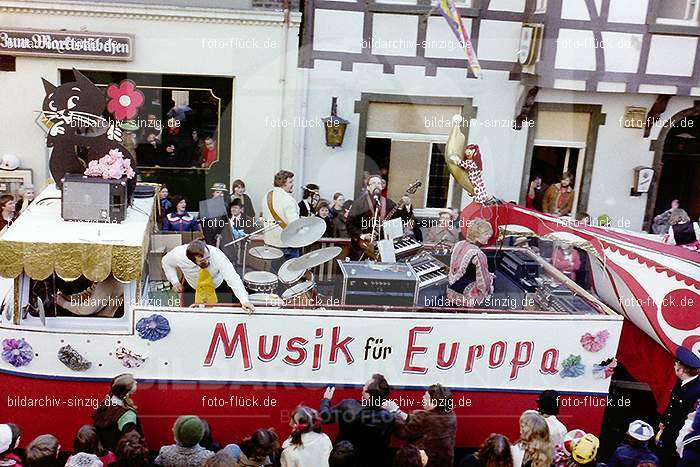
[310,198]
[361,215]
[684,395]
[208,274]
[279,210]
[365,423]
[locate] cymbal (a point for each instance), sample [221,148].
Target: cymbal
[315,258]
[303,231]
[266,252]
[286,275]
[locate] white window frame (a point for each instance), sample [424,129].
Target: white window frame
[578,173]
[540,6]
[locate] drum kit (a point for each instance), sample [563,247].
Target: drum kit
[295,274]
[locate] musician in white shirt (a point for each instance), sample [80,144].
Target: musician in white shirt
[193,260]
[279,210]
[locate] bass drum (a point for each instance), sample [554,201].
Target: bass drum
[260,281]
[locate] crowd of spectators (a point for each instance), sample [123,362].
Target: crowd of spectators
[366,427]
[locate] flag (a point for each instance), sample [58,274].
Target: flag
[449,11]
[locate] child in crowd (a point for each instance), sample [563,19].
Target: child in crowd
[343,455]
[584,452]
[188,431]
[548,407]
[221,459]
[495,452]
[132,451]
[410,456]
[534,448]
[307,446]
[83,459]
[43,452]
[86,441]
[10,435]
[634,449]
[257,450]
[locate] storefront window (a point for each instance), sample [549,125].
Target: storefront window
[181,136]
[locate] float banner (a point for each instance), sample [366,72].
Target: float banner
[97,46]
[481,352]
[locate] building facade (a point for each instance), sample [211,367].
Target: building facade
[596,87]
[233,64]
[579,77]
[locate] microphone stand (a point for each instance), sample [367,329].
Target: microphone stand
[246,239]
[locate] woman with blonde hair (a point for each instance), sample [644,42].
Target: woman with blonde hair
[470,281]
[534,448]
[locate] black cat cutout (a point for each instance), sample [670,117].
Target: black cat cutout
[78,132]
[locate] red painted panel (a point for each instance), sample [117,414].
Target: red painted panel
[232,412]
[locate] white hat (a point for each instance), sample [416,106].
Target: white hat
[9,162]
[5,437]
[83,459]
[640,430]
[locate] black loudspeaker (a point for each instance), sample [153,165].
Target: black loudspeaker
[91,199]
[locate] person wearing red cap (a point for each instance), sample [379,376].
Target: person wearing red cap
[683,397]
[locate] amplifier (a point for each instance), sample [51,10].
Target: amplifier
[370,283]
[92,199]
[520,265]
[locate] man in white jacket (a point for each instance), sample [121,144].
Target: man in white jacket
[279,210]
[208,273]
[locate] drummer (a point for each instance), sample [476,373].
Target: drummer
[280,207]
[209,275]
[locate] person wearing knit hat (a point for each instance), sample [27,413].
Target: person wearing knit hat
[585,451]
[188,432]
[83,459]
[10,435]
[634,449]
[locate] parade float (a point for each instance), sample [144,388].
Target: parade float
[86,304]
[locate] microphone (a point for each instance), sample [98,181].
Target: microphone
[375,194]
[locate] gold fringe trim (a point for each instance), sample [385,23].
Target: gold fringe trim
[71,260]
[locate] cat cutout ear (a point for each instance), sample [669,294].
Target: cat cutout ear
[81,79]
[48,87]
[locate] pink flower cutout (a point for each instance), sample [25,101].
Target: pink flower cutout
[112,165]
[125,100]
[595,343]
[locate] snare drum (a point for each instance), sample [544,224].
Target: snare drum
[304,293]
[260,281]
